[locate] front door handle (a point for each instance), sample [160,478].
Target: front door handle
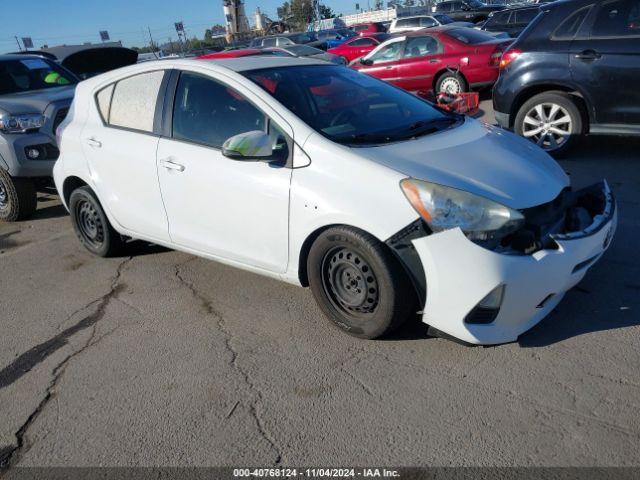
[388,68]
[588,55]
[92,142]
[434,60]
[171,165]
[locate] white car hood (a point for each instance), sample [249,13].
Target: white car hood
[479,159]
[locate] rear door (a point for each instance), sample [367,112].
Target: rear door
[421,60]
[605,57]
[120,140]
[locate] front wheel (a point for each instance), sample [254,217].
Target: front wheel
[91,224]
[18,197]
[358,283]
[552,120]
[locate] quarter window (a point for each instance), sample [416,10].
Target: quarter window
[104,102]
[133,104]
[618,18]
[208,112]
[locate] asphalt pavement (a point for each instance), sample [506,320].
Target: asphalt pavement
[162,358]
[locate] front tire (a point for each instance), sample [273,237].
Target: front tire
[552,120]
[358,283]
[451,82]
[18,197]
[91,224]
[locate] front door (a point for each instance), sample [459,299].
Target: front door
[605,57]
[120,146]
[231,209]
[384,60]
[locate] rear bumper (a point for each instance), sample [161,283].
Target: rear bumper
[459,274]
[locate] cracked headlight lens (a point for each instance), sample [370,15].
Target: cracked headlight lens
[444,208]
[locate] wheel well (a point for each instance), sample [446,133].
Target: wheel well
[437,76]
[304,253]
[70,184]
[537,89]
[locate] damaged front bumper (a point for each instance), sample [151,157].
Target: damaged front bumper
[460,274]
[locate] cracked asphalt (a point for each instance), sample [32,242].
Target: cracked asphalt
[165,359]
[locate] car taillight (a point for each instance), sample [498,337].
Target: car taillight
[508,57]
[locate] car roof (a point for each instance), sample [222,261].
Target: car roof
[432,30]
[20,56]
[242,64]
[415,16]
[533,6]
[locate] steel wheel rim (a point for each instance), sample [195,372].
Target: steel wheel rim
[451,85]
[90,224]
[4,197]
[350,282]
[549,125]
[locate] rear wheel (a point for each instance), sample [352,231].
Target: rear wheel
[552,120]
[451,82]
[18,198]
[91,224]
[358,283]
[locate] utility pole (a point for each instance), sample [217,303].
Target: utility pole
[18,42]
[153,48]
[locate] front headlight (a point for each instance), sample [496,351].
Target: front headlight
[21,123]
[444,208]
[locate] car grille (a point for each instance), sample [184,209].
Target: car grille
[59,118]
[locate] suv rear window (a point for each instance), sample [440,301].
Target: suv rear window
[568,29]
[469,36]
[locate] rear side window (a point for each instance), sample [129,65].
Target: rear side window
[427,22]
[501,18]
[421,46]
[362,42]
[208,112]
[133,102]
[269,42]
[470,36]
[525,16]
[617,18]
[568,29]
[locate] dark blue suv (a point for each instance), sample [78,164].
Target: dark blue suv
[573,71]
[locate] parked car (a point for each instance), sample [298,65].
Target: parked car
[286,51]
[333,38]
[472,11]
[573,71]
[35,94]
[445,59]
[364,29]
[358,46]
[369,195]
[284,39]
[512,20]
[408,24]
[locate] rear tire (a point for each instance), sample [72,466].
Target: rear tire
[358,283]
[451,82]
[18,198]
[552,120]
[91,224]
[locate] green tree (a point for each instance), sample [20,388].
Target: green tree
[326,12]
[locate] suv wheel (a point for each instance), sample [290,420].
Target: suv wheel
[552,120]
[18,198]
[451,82]
[358,283]
[91,224]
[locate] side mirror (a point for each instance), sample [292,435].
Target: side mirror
[365,61]
[254,145]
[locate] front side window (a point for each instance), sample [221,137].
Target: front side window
[269,42]
[351,108]
[133,103]
[421,46]
[361,42]
[386,53]
[427,22]
[443,19]
[617,18]
[208,112]
[28,74]
[497,19]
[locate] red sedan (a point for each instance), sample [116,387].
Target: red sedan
[359,46]
[364,29]
[444,59]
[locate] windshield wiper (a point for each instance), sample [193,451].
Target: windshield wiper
[364,138]
[422,127]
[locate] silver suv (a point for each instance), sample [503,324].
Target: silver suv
[35,95]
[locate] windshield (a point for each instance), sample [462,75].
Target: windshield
[303,50]
[469,36]
[349,107]
[443,19]
[23,75]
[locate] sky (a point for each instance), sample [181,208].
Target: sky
[55,22]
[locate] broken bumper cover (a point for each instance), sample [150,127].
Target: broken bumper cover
[460,274]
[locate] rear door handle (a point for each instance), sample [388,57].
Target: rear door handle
[388,68]
[171,165]
[588,55]
[92,142]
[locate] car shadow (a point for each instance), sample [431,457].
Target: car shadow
[141,248]
[53,211]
